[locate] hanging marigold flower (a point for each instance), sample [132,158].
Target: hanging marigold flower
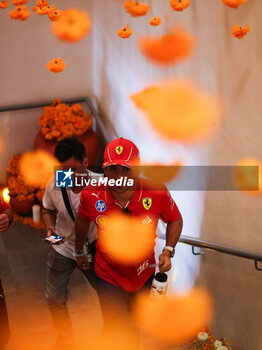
[19,2]
[179,5]
[168,49]
[233,3]
[56,65]
[42,3]
[72,25]
[155,21]
[179,111]
[125,32]
[20,12]
[136,8]
[53,15]
[239,32]
[44,10]
[3,4]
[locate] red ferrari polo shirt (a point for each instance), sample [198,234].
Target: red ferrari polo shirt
[96,203]
[3,205]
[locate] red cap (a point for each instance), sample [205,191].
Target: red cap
[121,152]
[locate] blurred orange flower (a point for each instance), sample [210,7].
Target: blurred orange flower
[168,49]
[19,2]
[3,4]
[181,315]
[136,8]
[239,32]
[125,32]
[233,3]
[29,221]
[155,21]
[247,176]
[20,12]
[179,110]
[60,120]
[160,173]
[179,5]
[56,65]
[44,10]
[72,25]
[127,239]
[37,168]
[54,15]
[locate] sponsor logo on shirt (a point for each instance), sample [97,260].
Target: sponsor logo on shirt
[102,220]
[147,220]
[142,267]
[64,178]
[100,206]
[147,202]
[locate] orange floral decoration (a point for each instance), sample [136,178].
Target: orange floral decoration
[136,8]
[19,2]
[56,65]
[3,4]
[209,344]
[54,15]
[155,21]
[20,12]
[44,10]
[42,3]
[125,32]
[247,176]
[72,25]
[233,3]
[239,32]
[27,220]
[178,110]
[60,120]
[179,5]
[168,49]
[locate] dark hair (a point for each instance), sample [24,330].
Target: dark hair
[68,148]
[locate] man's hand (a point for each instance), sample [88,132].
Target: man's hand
[164,261]
[83,262]
[4,222]
[51,230]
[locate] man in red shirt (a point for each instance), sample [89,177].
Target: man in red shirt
[6,218]
[118,282]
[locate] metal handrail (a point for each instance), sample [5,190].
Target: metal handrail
[195,242]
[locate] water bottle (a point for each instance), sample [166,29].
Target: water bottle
[159,286]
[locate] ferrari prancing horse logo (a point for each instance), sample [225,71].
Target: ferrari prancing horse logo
[119,149]
[147,202]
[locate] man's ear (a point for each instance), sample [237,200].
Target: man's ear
[85,163]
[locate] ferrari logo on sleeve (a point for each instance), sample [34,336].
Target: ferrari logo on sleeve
[119,149]
[147,202]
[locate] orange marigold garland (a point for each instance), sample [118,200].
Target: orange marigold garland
[42,3]
[54,15]
[19,2]
[233,3]
[44,10]
[239,32]
[60,120]
[20,12]
[136,8]
[72,25]
[56,65]
[3,4]
[125,32]
[168,49]
[155,21]
[27,220]
[179,5]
